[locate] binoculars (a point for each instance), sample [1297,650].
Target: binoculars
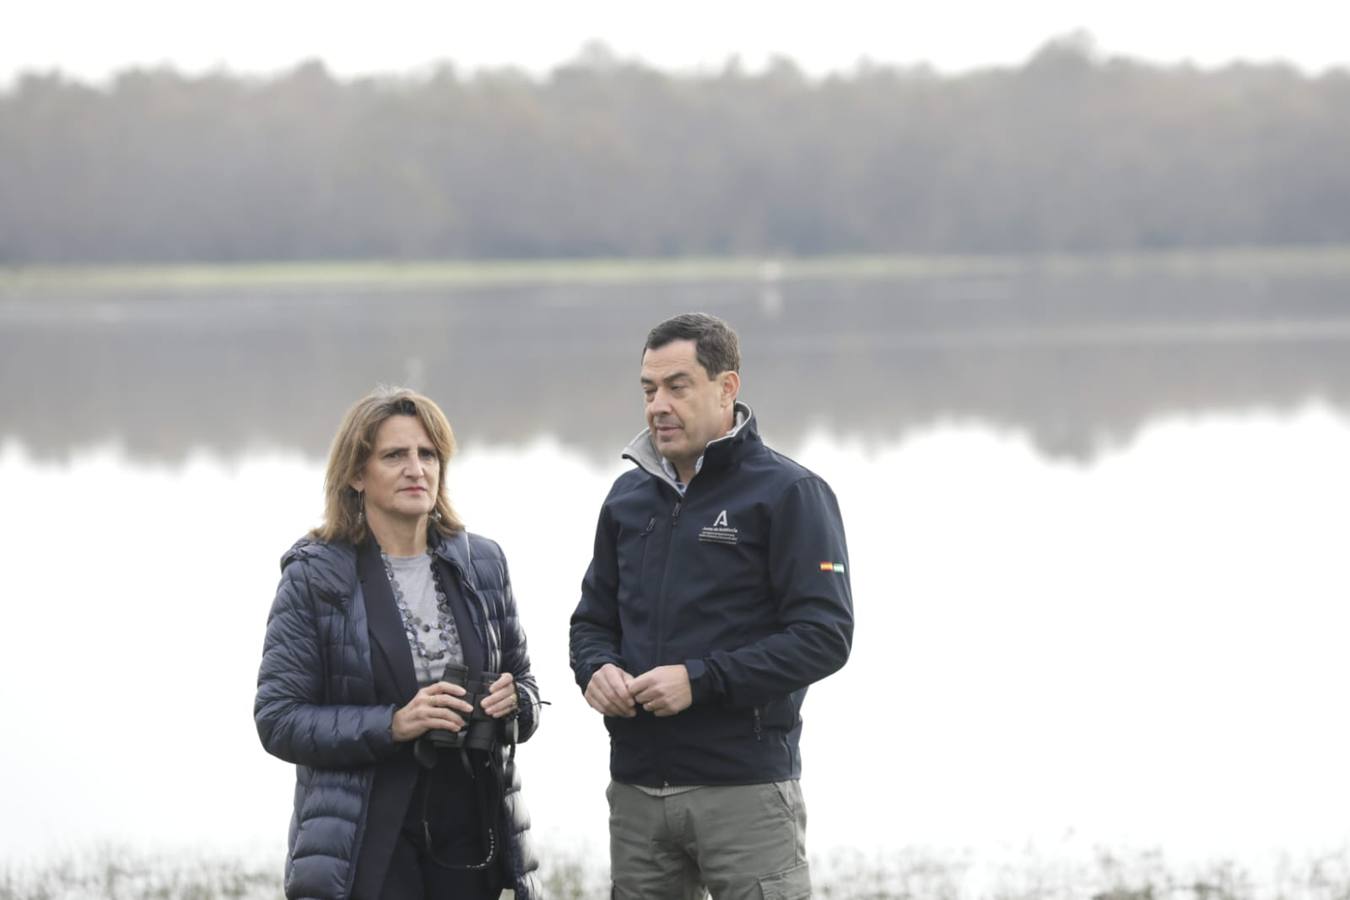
[480,730]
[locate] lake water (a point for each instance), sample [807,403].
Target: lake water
[1094,520]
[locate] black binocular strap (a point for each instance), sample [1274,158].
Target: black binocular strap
[489,799]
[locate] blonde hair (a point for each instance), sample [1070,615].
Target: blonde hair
[352,446]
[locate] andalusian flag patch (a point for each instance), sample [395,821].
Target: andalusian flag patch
[832,567]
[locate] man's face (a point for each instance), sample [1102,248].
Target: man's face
[686,407]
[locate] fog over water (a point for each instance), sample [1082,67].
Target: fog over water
[1095,531]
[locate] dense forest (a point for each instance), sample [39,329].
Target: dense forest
[1071,151]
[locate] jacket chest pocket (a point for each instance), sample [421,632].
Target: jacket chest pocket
[638,559]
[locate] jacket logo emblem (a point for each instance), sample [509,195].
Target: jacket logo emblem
[719,532]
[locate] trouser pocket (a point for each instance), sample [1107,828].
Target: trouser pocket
[789,884]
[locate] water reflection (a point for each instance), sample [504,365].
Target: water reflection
[1079,359]
[1144,651]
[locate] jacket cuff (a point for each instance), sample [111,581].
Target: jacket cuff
[384,744]
[700,681]
[524,713]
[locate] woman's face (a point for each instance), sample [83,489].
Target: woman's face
[401,478]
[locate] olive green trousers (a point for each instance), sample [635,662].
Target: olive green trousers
[739,842]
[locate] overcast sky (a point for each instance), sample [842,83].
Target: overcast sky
[91,40]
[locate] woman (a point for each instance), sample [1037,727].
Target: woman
[405,781]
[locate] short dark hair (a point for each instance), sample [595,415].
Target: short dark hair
[715,344]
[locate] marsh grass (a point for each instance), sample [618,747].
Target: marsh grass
[110,872]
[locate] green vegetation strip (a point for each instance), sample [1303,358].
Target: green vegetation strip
[386,275]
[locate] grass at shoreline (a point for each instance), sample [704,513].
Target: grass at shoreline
[112,872]
[413,274]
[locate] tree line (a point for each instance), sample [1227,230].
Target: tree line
[1069,152]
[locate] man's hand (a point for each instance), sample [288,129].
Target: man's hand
[435,706]
[664,691]
[609,693]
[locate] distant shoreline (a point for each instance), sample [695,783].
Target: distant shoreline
[1332,259]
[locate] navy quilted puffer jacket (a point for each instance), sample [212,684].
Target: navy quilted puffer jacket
[316,707]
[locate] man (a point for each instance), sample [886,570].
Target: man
[717,592]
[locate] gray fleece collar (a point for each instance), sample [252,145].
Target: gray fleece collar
[642,451]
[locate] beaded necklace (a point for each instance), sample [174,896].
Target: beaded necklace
[415,627]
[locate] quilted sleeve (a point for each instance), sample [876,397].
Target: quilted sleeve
[293,721]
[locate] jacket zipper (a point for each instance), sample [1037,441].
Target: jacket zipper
[480,617]
[759,731]
[665,574]
[660,608]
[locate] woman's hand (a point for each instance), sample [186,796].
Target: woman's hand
[501,699]
[435,706]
